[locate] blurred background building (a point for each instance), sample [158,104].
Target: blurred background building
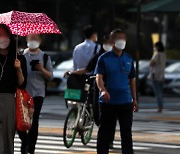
[72,15]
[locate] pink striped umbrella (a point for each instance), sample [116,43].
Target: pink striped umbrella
[23,23]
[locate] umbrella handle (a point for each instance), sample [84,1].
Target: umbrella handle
[16,45]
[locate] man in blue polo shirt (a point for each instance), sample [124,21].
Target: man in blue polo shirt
[115,77]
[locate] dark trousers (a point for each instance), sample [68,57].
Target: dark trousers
[158,90]
[29,139]
[108,118]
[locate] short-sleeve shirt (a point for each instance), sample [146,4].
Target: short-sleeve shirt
[117,70]
[157,70]
[83,53]
[36,80]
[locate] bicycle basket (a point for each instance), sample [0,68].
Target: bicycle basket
[75,88]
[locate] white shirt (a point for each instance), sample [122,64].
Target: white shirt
[83,53]
[157,70]
[36,80]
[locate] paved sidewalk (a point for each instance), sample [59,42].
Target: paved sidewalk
[168,115]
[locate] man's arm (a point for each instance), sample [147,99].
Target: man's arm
[80,72]
[47,74]
[99,71]
[100,83]
[133,91]
[133,87]
[48,71]
[132,82]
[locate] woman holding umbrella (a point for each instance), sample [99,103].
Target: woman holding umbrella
[27,24]
[13,74]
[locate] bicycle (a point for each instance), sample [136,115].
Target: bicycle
[80,117]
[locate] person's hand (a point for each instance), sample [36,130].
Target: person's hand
[67,74]
[39,67]
[17,64]
[135,106]
[31,112]
[105,96]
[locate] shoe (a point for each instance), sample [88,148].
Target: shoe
[30,152]
[24,152]
[24,148]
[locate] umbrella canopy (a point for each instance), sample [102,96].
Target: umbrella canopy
[160,6]
[23,23]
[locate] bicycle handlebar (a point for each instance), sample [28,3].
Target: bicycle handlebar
[92,77]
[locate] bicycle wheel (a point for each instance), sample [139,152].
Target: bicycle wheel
[69,132]
[88,128]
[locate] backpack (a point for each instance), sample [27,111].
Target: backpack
[95,49]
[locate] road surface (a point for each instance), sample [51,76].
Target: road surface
[153,133]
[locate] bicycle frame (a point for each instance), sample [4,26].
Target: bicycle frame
[81,110]
[83,120]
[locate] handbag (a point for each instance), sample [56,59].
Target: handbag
[24,110]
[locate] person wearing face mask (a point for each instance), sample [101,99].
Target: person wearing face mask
[39,69]
[117,94]
[86,50]
[13,74]
[106,46]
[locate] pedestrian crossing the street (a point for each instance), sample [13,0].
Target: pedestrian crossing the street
[54,145]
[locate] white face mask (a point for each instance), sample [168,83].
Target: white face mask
[120,44]
[33,44]
[107,47]
[4,42]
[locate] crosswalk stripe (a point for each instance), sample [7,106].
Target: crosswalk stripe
[54,144]
[77,146]
[59,140]
[44,151]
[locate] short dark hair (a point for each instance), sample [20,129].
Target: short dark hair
[89,31]
[160,47]
[105,38]
[39,35]
[115,32]
[12,45]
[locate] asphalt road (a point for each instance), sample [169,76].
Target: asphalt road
[54,110]
[153,133]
